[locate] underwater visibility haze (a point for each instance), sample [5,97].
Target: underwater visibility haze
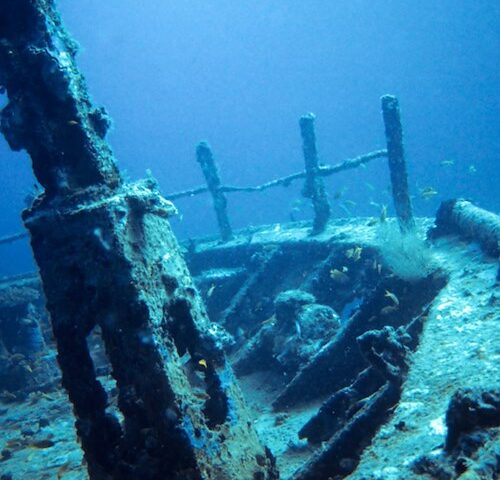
[240,74]
[249,240]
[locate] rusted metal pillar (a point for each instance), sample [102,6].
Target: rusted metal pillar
[313,187]
[206,160]
[397,162]
[108,258]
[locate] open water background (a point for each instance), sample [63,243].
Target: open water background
[239,74]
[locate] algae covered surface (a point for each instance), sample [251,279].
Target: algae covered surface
[458,348]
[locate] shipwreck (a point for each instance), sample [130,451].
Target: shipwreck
[360,348]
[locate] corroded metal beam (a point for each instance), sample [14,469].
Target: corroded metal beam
[108,258]
[323,171]
[206,160]
[314,187]
[49,113]
[462,217]
[386,350]
[397,162]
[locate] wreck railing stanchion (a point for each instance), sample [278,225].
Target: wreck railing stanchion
[206,160]
[314,187]
[397,162]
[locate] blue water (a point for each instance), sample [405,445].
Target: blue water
[240,73]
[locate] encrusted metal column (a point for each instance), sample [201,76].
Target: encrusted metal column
[314,187]
[206,160]
[397,162]
[108,258]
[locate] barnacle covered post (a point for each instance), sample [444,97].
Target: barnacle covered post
[314,187]
[206,160]
[108,258]
[397,162]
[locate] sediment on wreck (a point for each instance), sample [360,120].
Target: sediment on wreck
[385,312]
[451,389]
[108,258]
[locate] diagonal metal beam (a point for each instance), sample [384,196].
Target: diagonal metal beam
[107,257]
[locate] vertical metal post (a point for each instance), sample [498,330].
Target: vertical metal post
[313,187]
[206,160]
[397,162]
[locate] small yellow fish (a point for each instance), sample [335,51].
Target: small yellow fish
[373,221]
[211,290]
[383,214]
[388,310]
[357,253]
[202,363]
[393,297]
[447,163]
[354,253]
[339,276]
[269,320]
[428,192]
